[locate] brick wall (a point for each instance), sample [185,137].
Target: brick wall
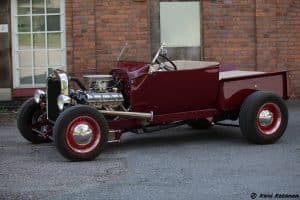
[288,39]
[254,34]
[229,32]
[96,31]
[81,39]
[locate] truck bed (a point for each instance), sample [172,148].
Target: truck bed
[235,86]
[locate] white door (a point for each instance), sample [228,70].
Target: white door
[38,37]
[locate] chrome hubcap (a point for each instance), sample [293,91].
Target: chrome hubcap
[82,134]
[266,118]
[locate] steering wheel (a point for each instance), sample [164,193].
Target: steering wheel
[162,65]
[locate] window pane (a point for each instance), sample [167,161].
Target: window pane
[38,7]
[25,76]
[54,41]
[53,23]
[37,53]
[40,76]
[38,23]
[24,41]
[180,24]
[25,59]
[23,7]
[39,58]
[23,24]
[53,6]
[39,41]
[54,58]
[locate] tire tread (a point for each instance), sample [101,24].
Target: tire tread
[247,117]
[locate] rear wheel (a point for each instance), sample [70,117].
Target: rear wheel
[31,117]
[80,133]
[200,123]
[263,117]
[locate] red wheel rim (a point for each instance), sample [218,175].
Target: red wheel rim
[83,134]
[268,118]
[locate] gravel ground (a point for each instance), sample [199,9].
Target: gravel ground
[178,163]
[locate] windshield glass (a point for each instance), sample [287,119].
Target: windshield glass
[130,52]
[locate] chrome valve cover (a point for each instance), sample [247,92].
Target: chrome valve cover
[111,99]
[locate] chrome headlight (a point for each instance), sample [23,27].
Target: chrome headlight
[39,95]
[62,100]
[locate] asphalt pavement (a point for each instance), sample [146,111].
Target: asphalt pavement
[178,163]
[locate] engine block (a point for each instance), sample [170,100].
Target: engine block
[101,94]
[105,99]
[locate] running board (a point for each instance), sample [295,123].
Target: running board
[155,128]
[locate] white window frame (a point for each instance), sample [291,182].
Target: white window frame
[15,45]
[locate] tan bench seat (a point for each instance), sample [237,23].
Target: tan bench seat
[189,64]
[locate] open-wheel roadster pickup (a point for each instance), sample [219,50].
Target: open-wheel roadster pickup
[147,97]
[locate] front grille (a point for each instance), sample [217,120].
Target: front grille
[53,91]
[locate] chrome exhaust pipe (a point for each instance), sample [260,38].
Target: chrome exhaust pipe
[137,115]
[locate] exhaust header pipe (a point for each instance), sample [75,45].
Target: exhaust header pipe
[137,115]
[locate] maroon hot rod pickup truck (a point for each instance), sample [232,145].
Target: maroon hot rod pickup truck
[143,97]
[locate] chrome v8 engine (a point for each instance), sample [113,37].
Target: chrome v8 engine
[102,92]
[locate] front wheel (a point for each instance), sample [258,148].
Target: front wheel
[263,117]
[31,120]
[80,133]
